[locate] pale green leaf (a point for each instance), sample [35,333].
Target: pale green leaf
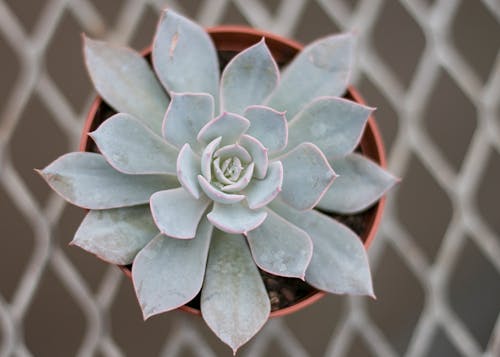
[335,125]
[132,148]
[360,184]
[126,82]
[248,78]
[339,264]
[306,176]
[186,115]
[116,235]
[280,248]
[87,180]
[268,126]
[234,301]
[260,192]
[169,272]
[236,217]
[177,213]
[320,69]
[184,56]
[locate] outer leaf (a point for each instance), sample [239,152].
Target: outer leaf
[186,115]
[233,309]
[125,80]
[217,195]
[258,153]
[177,213]
[248,78]
[268,126]
[360,184]
[339,264]
[228,125]
[87,180]
[116,235]
[169,272]
[188,169]
[132,148]
[184,56]
[335,125]
[280,248]
[235,218]
[261,192]
[306,176]
[321,69]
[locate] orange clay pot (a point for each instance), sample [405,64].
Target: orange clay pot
[233,39]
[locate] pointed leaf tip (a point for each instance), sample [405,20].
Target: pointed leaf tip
[361,183]
[177,213]
[164,260]
[249,78]
[280,248]
[336,248]
[132,148]
[116,235]
[321,69]
[235,312]
[334,124]
[184,56]
[307,175]
[88,181]
[118,74]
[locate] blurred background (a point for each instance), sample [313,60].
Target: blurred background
[431,67]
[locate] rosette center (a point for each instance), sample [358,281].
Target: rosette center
[231,164]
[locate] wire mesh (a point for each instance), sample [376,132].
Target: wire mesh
[412,141]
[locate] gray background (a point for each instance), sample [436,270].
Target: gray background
[432,69]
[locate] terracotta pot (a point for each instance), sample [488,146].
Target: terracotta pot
[232,39]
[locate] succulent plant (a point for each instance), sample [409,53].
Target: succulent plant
[203,178]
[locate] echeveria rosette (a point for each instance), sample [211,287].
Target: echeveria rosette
[220,160]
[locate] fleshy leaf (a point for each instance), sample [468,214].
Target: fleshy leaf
[219,175]
[280,248]
[184,56]
[236,218]
[132,148]
[126,82]
[320,69]
[268,126]
[217,195]
[306,176]
[228,125]
[260,192]
[242,182]
[233,150]
[333,124]
[248,78]
[234,309]
[186,115]
[116,235]
[361,183]
[169,272]
[188,169]
[339,264]
[207,157]
[88,181]
[258,153]
[177,213]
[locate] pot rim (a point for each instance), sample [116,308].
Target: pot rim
[225,37]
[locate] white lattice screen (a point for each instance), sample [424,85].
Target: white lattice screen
[432,68]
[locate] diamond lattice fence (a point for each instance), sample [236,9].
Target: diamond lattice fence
[433,69]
